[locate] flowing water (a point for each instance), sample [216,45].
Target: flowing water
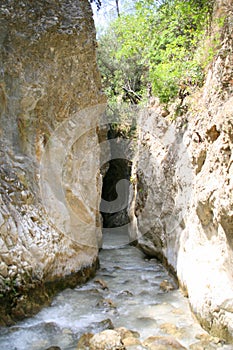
[131,298]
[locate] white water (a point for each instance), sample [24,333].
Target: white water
[134,289]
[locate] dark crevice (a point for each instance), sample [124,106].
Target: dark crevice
[118,169]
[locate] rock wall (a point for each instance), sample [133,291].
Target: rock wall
[48,74]
[182,203]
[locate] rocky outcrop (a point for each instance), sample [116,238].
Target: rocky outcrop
[48,74]
[182,204]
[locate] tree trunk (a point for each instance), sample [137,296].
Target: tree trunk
[117,8]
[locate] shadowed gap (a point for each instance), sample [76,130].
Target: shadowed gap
[118,169]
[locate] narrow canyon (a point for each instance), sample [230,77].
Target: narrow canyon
[58,170]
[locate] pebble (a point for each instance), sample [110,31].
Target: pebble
[125,293]
[107,302]
[102,283]
[166,286]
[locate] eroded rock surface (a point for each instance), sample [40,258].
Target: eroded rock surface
[48,74]
[182,204]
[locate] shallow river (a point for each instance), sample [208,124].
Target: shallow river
[133,299]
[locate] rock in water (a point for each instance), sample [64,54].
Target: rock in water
[107,340]
[102,283]
[101,326]
[84,341]
[125,333]
[163,343]
[166,286]
[130,341]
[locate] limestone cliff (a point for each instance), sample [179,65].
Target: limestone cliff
[48,74]
[182,204]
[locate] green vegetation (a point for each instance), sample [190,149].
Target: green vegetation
[155,49]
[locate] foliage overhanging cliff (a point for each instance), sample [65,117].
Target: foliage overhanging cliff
[158,49]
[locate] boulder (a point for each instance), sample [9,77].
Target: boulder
[107,340]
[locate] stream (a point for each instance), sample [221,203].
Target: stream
[132,298]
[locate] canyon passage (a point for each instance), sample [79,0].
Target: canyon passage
[57,144]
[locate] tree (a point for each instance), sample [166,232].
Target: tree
[107,3]
[117,8]
[97,2]
[158,43]
[120,76]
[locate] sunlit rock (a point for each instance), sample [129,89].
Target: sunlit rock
[181,206]
[162,343]
[50,186]
[105,340]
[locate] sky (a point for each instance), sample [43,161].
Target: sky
[108,12]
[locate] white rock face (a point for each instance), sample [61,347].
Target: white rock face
[182,203]
[50,186]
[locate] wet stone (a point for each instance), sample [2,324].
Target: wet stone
[172,329]
[125,333]
[101,326]
[106,340]
[163,343]
[166,286]
[106,303]
[102,283]
[128,341]
[126,293]
[84,341]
